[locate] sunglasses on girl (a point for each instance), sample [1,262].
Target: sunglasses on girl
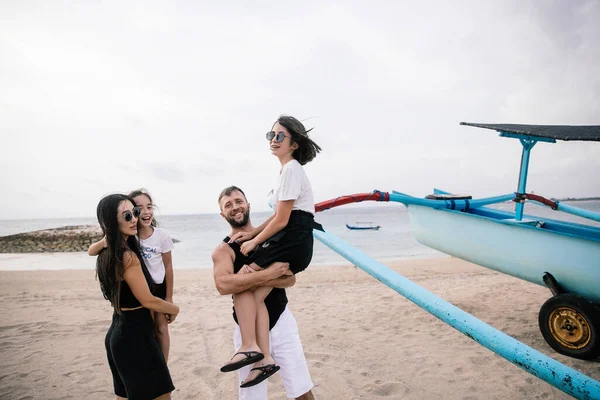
[279,136]
[129,215]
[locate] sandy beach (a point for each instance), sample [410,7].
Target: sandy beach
[362,340]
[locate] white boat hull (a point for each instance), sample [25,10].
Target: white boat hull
[521,251]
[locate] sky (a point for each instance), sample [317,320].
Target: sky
[176,97]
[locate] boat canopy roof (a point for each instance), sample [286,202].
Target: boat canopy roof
[558,132]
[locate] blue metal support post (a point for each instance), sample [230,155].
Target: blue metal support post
[527,146]
[528,142]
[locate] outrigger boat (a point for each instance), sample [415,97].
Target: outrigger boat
[365,226]
[563,256]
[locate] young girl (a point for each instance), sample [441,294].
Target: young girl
[286,236]
[156,246]
[135,358]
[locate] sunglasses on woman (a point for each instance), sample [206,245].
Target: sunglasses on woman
[279,136]
[129,215]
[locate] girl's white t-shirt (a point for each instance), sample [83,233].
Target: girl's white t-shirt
[293,184]
[153,248]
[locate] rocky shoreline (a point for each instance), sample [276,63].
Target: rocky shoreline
[64,239]
[56,240]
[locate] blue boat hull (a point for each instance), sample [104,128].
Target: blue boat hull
[523,251]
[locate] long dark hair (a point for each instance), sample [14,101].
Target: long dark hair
[109,264]
[307,149]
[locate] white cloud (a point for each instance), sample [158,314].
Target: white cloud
[176,97]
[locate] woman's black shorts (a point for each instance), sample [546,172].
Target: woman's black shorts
[137,364]
[293,244]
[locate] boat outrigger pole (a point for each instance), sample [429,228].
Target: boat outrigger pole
[560,376]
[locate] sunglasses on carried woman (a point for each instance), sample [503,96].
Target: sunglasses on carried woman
[279,136]
[129,215]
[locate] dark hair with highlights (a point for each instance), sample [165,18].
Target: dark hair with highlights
[307,149]
[109,264]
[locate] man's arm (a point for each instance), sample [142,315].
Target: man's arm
[282,282]
[229,283]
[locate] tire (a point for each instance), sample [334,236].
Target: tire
[570,324]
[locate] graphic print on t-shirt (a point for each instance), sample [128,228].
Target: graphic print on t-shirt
[147,251]
[152,249]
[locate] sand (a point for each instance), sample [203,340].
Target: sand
[362,340]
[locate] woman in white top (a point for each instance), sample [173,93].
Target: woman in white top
[155,245]
[286,237]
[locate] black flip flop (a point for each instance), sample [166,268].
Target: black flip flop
[251,358]
[267,371]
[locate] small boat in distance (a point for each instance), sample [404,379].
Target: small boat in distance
[370,226]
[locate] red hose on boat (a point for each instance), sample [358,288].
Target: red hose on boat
[530,196]
[352,198]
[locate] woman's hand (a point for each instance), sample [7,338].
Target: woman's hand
[104,243]
[171,317]
[248,246]
[241,237]
[246,269]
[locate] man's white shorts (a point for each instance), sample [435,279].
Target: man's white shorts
[286,350]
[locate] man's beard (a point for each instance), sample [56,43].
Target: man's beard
[242,223]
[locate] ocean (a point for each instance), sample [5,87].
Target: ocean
[200,233]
